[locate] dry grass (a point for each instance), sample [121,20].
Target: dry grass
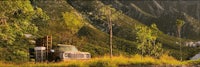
[3,64]
[106,61]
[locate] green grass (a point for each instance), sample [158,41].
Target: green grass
[192,62]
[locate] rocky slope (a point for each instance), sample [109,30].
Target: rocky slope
[164,14]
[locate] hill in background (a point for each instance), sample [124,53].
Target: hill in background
[83,23]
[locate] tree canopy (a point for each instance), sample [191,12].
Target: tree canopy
[19,16]
[146,40]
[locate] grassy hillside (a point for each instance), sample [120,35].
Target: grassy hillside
[124,26]
[93,35]
[82,23]
[88,38]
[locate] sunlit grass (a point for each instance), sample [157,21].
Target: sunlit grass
[6,64]
[106,61]
[165,59]
[137,59]
[192,62]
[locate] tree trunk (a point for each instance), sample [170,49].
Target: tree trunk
[110,26]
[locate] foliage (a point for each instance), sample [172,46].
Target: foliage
[20,15]
[107,12]
[73,21]
[146,39]
[179,23]
[40,19]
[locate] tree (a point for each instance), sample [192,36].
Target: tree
[179,24]
[146,40]
[109,16]
[14,45]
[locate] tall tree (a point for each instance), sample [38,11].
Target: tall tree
[109,15]
[110,31]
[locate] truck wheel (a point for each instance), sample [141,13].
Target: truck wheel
[57,59]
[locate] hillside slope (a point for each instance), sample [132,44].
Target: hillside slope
[164,14]
[93,35]
[123,25]
[88,38]
[84,23]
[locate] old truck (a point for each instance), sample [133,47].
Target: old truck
[69,52]
[44,51]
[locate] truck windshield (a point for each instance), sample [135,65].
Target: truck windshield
[68,48]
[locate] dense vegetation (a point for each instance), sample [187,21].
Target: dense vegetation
[81,23]
[20,17]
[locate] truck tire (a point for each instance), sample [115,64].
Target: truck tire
[57,59]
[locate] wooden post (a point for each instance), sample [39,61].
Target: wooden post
[48,45]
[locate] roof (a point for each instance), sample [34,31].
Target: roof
[63,47]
